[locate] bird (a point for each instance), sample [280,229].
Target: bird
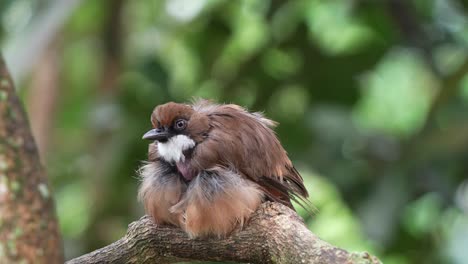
[210,166]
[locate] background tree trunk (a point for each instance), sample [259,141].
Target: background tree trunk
[29,231]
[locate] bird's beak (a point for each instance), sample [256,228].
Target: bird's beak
[157,134]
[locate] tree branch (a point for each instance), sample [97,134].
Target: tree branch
[275,234]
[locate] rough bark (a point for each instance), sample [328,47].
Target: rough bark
[28,225]
[275,234]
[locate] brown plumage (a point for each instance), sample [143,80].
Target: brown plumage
[211,165]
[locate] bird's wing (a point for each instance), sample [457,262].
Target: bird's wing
[245,141]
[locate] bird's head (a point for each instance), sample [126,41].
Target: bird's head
[177,129]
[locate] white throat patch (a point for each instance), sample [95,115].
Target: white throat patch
[172,150]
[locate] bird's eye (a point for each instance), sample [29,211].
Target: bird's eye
[180,124]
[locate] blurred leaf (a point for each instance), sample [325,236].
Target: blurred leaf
[250,34]
[380,211]
[287,18]
[464,88]
[290,102]
[395,259]
[450,57]
[281,64]
[331,211]
[88,18]
[455,227]
[449,15]
[184,10]
[177,53]
[73,209]
[396,95]
[210,89]
[421,216]
[334,27]
[246,93]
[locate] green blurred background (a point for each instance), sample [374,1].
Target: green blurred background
[371,96]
